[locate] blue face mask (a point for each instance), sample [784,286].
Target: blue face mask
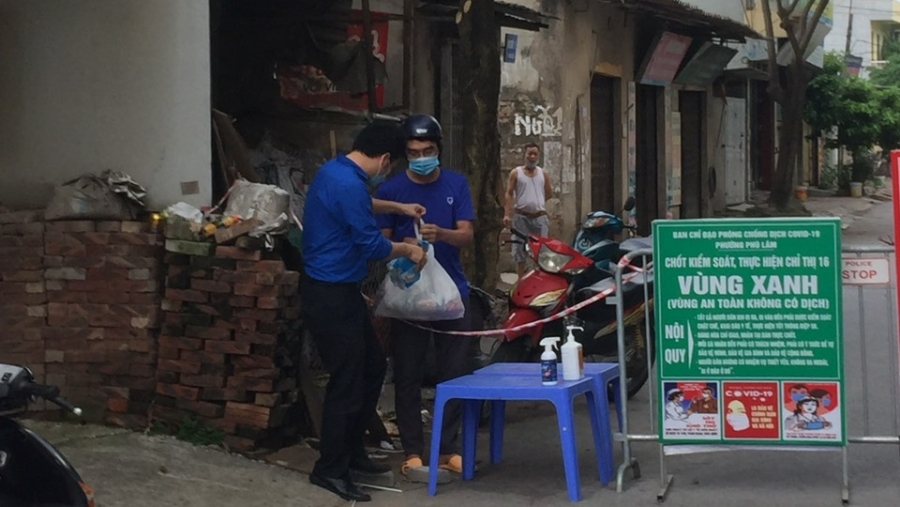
[797,397]
[826,402]
[378,178]
[424,166]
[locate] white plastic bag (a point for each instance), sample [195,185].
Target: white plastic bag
[433,297]
[267,203]
[109,196]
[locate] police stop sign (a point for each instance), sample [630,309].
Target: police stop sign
[866,271]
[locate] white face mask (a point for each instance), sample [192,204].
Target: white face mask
[739,422]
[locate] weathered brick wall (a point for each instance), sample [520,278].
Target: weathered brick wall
[129,330]
[229,349]
[79,305]
[103,307]
[23,299]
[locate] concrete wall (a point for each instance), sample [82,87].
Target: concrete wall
[88,85]
[545,98]
[861,38]
[860,42]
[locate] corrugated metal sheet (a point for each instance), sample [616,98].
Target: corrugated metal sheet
[510,15]
[688,19]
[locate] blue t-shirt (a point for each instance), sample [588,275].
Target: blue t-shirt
[447,201]
[340,235]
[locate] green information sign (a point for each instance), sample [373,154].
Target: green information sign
[749,331]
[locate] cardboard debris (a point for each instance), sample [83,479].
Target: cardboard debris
[226,234]
[234,155]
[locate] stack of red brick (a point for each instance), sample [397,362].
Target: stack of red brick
[79,305]
[101,281]
[23,300]
[96,309]
[228,347]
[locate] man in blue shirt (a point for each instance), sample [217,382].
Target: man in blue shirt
[339,239]
[448,227]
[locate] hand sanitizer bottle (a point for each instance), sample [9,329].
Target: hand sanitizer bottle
[572,357]
[548,361]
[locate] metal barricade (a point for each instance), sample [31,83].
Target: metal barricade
[872,359]
[629,461]
[871,346]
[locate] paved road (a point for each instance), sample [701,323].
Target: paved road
[868,228]
[134,470]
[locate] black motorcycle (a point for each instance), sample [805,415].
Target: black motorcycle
[33,473]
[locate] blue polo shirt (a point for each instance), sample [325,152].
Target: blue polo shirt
[340,235]
[447,201]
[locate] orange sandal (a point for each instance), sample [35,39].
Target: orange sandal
[416,471]
[451,462]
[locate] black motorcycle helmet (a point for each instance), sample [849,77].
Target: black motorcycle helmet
[423,126]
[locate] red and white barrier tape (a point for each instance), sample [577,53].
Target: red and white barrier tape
[565,313]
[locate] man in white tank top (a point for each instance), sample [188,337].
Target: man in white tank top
[527,192]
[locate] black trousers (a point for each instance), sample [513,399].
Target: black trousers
[338,320]
[453,356]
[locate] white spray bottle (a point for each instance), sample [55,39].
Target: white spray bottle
[572,356]
[548,361]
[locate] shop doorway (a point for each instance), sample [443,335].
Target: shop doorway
[693,128]
[603,143]
[647,181]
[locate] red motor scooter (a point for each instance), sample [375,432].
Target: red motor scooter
[555,285]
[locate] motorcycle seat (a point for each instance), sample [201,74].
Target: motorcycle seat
[634,244]
[638,282]
[633,284]
[597,288]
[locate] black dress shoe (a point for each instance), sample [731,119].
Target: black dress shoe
[343,488]
[365,465]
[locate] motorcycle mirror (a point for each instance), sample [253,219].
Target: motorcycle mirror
[629,203]
[572,320]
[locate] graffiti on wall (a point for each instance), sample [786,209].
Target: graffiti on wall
[552,161]
[546,121]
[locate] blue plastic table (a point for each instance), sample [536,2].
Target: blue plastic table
[602,374]
[473,389]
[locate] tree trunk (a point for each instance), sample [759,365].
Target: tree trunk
[790,138]
[479,99]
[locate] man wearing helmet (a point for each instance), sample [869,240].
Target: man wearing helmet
[447,225]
